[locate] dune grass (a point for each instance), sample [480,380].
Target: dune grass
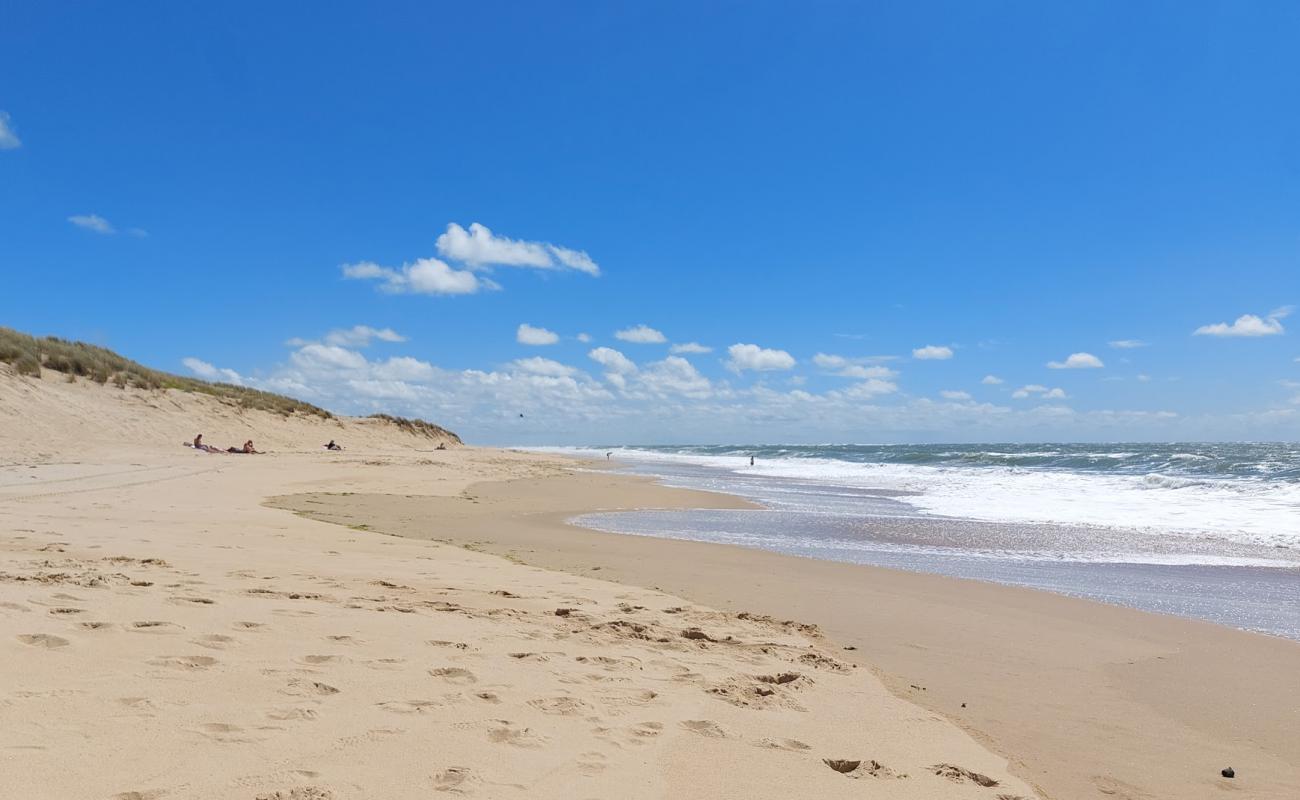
[418,427]
[30,355]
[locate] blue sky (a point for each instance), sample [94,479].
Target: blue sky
[1008,184]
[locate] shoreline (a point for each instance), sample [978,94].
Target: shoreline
[1108,701]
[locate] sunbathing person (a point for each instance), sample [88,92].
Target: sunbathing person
[247,448]
[207,448]
[333,446]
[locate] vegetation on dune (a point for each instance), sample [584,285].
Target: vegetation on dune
[418,427]
[29,355]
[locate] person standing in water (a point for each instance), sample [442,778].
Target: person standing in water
[751,461]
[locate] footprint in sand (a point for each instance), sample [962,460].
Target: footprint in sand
[592,763]
[184,662]
[299,687]
[793,745]
[151,794]
[198,601]
[456,780]
[43,640]
[299,793]
[561,706]
[506,733]
[456,675]
[155,626]
[214,641]
[64,611]
[316,660]
[704,727]
[958,774]
[15,607]
[292,713]
[249,626]
[227,733]
[408,706]
[95,626]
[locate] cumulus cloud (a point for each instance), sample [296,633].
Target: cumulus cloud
[758,359]
[93,222]
[932,352]
[8,139]
[641,334]
[208,372]
[950,394]
[612,360]
[1035,390]
[479,247]
[992,380]
[424,276]
[527,334]
[859,368]
[1077,361]
[359,336]
[690,347]
[675,375]
[1248,325]
[1127,344]
[583,337]
[544,366]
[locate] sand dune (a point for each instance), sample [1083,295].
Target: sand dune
[165,635]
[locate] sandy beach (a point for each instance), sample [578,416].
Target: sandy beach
[1088,700]
[165,634]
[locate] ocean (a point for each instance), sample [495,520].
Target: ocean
[1204,530]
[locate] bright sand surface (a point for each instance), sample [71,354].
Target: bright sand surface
[1088,700]
[165,634]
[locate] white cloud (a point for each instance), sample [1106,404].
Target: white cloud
[690,347]
[1144,378]
[866,390]
[584,337]
[992,380]
[949,394]
[852,367]
[327,356]
[932,352]
[1248,325]
[358,336]
[612,360]
[1035,389]
[544,366]
[8,139]
[1127,344]
[527,334]
[208,372]
[675,375]
[1077,361]
[861,371]
[641,334]
[403,368]
[479,247]
[759,359]
[92,222]
[424,276]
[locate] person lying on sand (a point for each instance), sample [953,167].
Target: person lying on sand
[333,446]
[207,448]
[247,448]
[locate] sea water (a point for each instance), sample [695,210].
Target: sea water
[1210,531]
